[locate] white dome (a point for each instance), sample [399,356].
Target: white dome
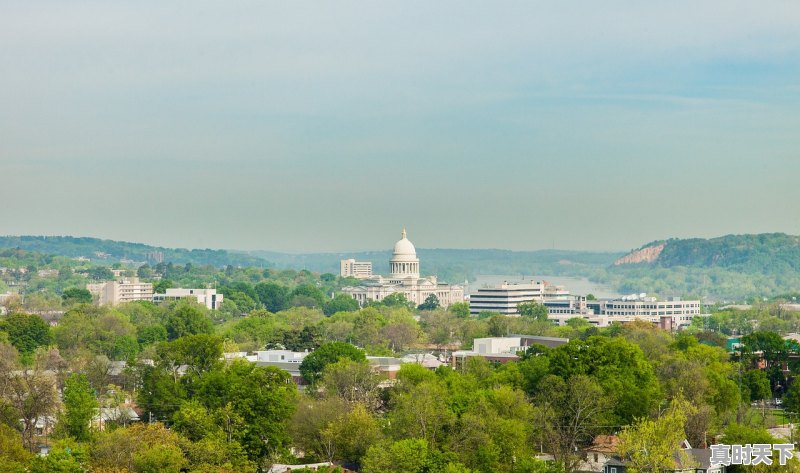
[404,250]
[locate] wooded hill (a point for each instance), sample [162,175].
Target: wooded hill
[731,267]
[111,251]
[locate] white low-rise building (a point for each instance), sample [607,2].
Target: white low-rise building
[670,314]
[505,298]
[286,360]
[206,297]
[502,349]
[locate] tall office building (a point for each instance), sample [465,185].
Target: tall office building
[351,268]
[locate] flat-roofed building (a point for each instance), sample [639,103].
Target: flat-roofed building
[351,268]
[649,306]
[628,306]
[502,349]
[286,360]
[206,297]
[671,314]
[121,291]
[505,298]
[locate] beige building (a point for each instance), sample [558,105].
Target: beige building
[123,290]
[351,268]
[405,278]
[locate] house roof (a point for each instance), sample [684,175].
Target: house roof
[702,456]
[604,444]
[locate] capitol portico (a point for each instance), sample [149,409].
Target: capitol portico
[405,278]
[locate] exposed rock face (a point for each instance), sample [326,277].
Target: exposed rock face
[645,255]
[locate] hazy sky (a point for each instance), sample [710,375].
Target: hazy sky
[326,126]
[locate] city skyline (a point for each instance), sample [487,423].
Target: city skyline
[318,128]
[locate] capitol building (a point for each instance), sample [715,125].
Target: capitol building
[404,278]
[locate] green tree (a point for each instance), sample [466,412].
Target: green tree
[533,309]
[313,365]
[273,296]
[195,421]
[397,299]
[441,326]
[161,286]
[340,303]
[756,384]
[569,413]
[76,295]
[140,447]
[145,272]
[618,366]
[309,338]
[431,303]
[13,456]
[421,412]
[651,444]
[311,423]
[244,303]
[101,273]
[460,309]
[151,334]
[65,456]
[32,394]
[201,352]
[499,325]
[188,319]
[353,381]
[770,345]
[254,331]
[400,333]
[27,332]
[355,433]
[308,292]
[79,407]
[161,394]
[264,398]
[402,456]
[791,400]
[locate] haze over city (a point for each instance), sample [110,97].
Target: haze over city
[328,127]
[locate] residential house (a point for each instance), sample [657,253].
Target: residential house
[279,468]
[599,453]
[122,415]
[699,461]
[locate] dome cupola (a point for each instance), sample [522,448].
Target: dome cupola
[404,262]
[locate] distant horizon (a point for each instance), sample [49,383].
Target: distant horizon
[388,248]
